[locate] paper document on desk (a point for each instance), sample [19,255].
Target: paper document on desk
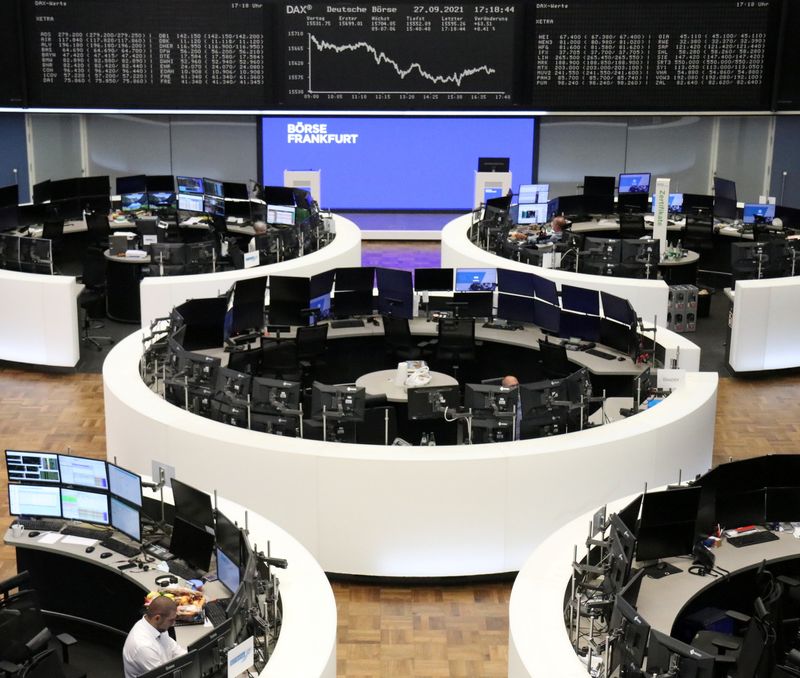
[79,541]
[49,538]
[136,254]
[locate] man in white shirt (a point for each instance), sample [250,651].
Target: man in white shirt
[148,645]
[259,228]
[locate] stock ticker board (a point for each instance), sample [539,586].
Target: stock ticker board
[146,53]
[401,55]
[653,55]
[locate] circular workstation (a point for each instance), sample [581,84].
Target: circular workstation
[409,511]
[681,591]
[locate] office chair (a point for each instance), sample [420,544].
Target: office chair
[379,426]
[456,342]
[631,226]
[247,361]
[99,228]
[739,656]
[92,299]
[398,342]
[53,229]
[279,360]
[311,346]
[554,361]
[698,233]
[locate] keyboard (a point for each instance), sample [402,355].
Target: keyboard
[87,532]
[215,611]
[183,571]
[341,324]
[121,547]
[600,354]
[509,326]
[760,537]
[41,524]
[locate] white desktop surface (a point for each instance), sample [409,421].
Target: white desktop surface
[765,325]
[382,383]
[40,319]
[648,297]
[307,642]
[159,295]
[409,511]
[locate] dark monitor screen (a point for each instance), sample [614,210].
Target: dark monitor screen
[631,647]
[321,283]
[41,501]
[133,184]
[579,326]
[635,183]
[288,297]
[211,650]
[160,183]
[621,337]
[226,535]
[724,208]
[192,185]
[429,402]
[192,543]
[273,396]
[37,467]
[433,279]
[580,299]
[547,316]
[633,202]
[277,195]
[85,506]
[782,504]
[781,467]
[355,279]
[353,303]
[664,654]
[745,474]
[617,308]
[668,524]
[345,401]
[494,164]
[545,290]
[692,202]
[476,279]
[192,504]
[64,189]
[515,308]
[213,187]
[598,185]
[41,191]
[724,188]
[126,519]
[478,304]
[488,397]
[516,282]
[184,666]
[235,191]
[395,292]
[125,484]
[9,196]
[739,508]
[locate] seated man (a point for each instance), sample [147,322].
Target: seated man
[553,232]
[260,228]
[148,645]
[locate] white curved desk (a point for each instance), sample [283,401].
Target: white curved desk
[40,319]
[159,295]
[307,642]
[409,511]
[648,297]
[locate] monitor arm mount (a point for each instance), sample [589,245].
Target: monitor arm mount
[158,487]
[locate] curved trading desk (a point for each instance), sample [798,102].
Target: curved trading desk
[539,646]
[159,295]
[307,642]
[410,511]
[39,319]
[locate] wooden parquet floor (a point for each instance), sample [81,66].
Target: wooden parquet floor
[425,631]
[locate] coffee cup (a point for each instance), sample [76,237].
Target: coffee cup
[17,530]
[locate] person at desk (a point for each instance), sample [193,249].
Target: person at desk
[260,228]
[553,232]
[148,645]
[510,381]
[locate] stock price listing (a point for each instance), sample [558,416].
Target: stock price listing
[396,55]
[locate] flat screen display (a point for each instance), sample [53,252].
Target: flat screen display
[190,203]
[39,467]
[126,519]
[430,165]
[533,194]
[125,484]
[516,309]
[634,183]
[87,507]
[531,214]
[83,472]
[34,500]
[580,299]
[476,279]
[516,282]
[433,279]
[227,571]
[754,213]
[190,185]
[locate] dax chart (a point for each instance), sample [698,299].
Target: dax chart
[384,55]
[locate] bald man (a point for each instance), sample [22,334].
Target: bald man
[554,231]
[259,228]
[148,645]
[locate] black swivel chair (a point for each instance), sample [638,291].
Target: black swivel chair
[92,299]
[398,342]
[99,229]
[631,226]
[312,345]
[44,665]
[698,233]
[456,343]
[740,656]
[379,426]
[554,361]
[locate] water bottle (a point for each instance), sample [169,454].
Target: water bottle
[424,440]
[432,440]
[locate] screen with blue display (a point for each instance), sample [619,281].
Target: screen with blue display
[394,163]
[634,183]
[476,279]
[754,213]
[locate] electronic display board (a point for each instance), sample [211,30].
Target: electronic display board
[632,55]
[399,55]
[191,54]
[12,72]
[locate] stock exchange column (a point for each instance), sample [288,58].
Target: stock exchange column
[400,55]
[653,56]
[181,54]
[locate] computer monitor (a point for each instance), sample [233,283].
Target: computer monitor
[353,303]
[234,190]
[281,215]
[516,308]
[124,484]
[338,401]
[160,183]
[83,472]
[603,249]
[547,316]
[666,655]
[64,189]
[192,504]
[695,202]
[636,203]
[675,205]
[214,206]
[185,666]
[540,396]
[9,196]
[190,202]
[227,537]
[192,543]
[32,467]
[638,251]
[131,202]
[192,185]
[617,308]
[476,279]
[288,297]
[516,282]
[274,396]
[430,402]
[88,507]
[395,292]
[227,570]
[355,279]
[630,514]
[472,304]
[126,519]
[161,200]
[579,326]
[533,194]
[623,338]
[233,384]
[724,198]
[580,299]
[630,647]
[598,186]
[754,213]
[36,501]
[635,183]
[277,195]
[168,253]
[490,399]
[545,289]
[642,383]
[668,523]
[199,369]
[213,187]
[433,279]
[736,508]
[782,504]
[532,214]
[132,184]
[494,164]
[321,283]
[211,650]
[322,304]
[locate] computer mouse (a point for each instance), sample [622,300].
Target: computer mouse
[621,358]
[90,549]
[33,533]
[106,554]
